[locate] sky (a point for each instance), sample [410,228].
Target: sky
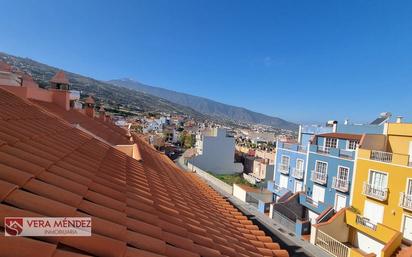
[303,61]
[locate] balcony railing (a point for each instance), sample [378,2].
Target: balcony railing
[331,245]
[283,168]
[405,201]
[319,177]
[375,192]
[340,184]
[302,148]
[323,149]
[366,222]
[381,156]
[289,146]
[297,173]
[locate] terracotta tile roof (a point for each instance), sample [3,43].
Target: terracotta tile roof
[60,78]
[145,208]
[105,130]
[342,136]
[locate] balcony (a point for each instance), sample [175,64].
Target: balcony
[319,177]
[322,149]
[297,173]
[386,157]
[381,156]
[366,222]
[377,193]
[293,147]
[405,201]
[275,188]
[283,168]
[340,184]
[342,153]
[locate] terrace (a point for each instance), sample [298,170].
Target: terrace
[334,236]
[386,157]
[342,153]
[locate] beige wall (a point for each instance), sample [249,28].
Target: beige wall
[374,142]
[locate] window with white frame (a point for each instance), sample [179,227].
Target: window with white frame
[321,167]
[285,160]
[378,180]
[352,144]
[331,142]
[343,173]
[299,164]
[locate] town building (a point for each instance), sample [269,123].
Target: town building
[216,152]
[381,213]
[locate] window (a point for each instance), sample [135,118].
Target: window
[352,144]
[409,187]
[331,142]
[321,167]
[343,173]
[299,164]
[285,161]
[378,179]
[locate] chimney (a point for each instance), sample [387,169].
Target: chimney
[90,106]
[102,113]
[399,119]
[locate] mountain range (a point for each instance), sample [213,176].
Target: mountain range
[207,106]
[138,97]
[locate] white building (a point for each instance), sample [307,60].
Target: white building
[216,153]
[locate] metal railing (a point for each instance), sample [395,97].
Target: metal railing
[365,222]
[340,184]
[381,156]
[319,177]
[297,173]
[331,245]
[283,168]
[322,149]
[405,201]
[375,192]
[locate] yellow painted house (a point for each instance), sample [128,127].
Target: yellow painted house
[381,199]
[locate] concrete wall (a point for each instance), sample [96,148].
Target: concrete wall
[239,193]
[374,142]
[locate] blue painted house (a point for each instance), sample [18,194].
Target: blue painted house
[290,162]
[313,195]
[330,168]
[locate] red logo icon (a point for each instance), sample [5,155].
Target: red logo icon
[13,226]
